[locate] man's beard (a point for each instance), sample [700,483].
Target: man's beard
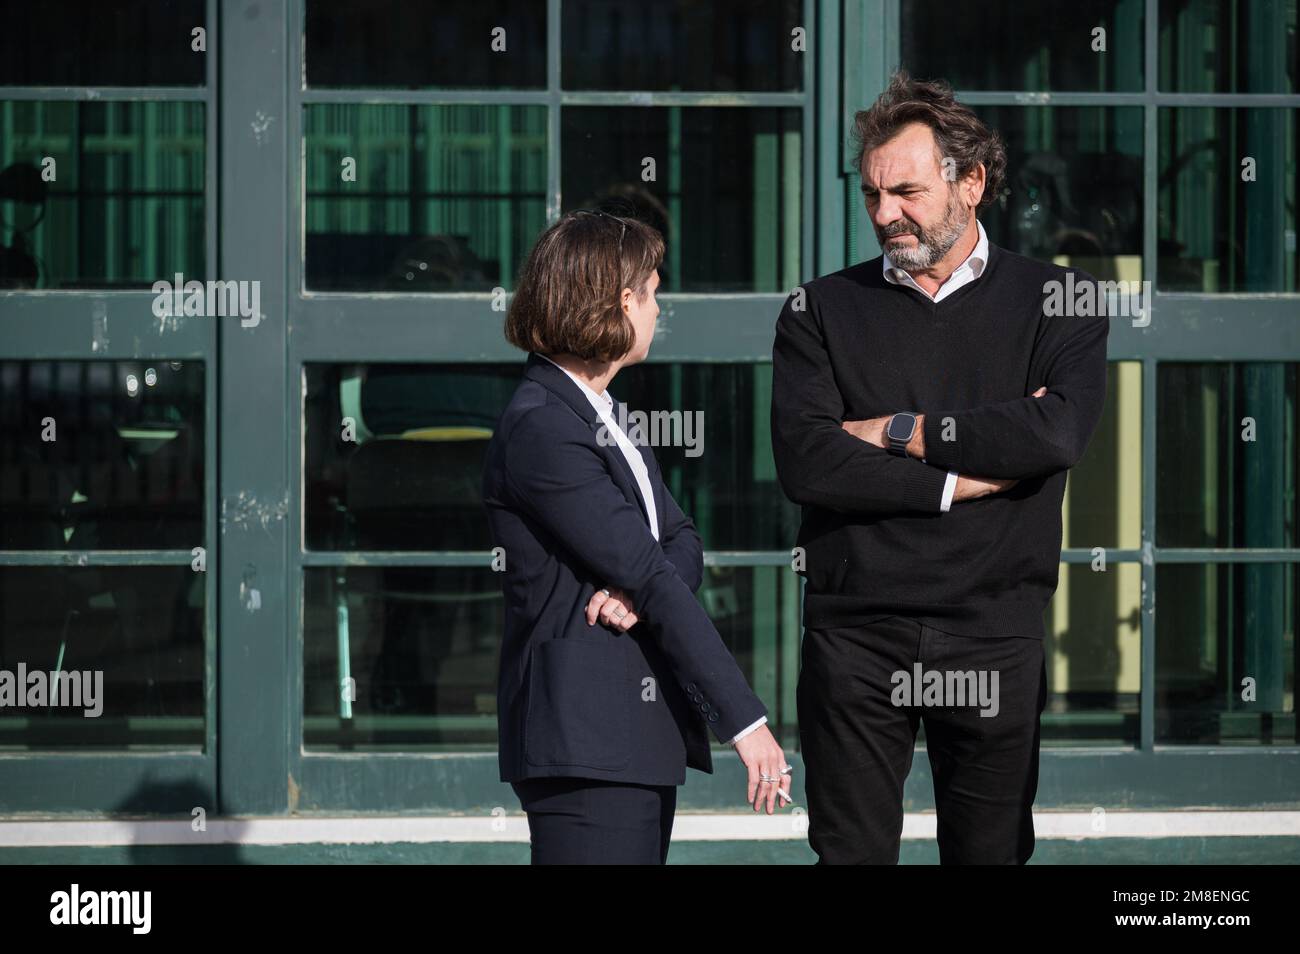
[932,243]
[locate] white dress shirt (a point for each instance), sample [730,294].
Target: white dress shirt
[604,405]
[963,274]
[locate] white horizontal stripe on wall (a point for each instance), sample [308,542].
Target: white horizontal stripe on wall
[513,827]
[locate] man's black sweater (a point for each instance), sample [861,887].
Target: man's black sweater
[875,542]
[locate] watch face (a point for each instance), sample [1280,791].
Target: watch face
[901,426]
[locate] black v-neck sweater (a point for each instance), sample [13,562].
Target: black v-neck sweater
[873,538]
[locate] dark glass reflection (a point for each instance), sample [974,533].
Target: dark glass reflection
[101,455]
[444,198]
[1226,455]
[1228,46]
[726,181]
[724,478]
[406,658]
[1010,45]
[122,43]
[1227,200]
[1074,187]
[423,43]
[683,45]
[1225,654]
[757,611]
[1093,651]
[420,647]
[411,480]
[409,476]
[100,195]
[140,627]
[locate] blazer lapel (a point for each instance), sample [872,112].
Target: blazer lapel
[547,374]
[543,372]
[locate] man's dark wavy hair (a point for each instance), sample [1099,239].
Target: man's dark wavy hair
[958,132]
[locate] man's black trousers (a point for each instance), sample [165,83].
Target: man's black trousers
[857,743]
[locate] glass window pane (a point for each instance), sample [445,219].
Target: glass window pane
[1103,498]
[101,455]
[435,198]
[1226,455]
[722,184]
[1073,192]
[408,44]
[100,195]
[1225,654]
[134,634]
[1094,656]
[682,45]
[1227,200]
[123,43]
[1228,46]
[1010,45]
[410,479]
[756,610]
[422,646]
[718,464]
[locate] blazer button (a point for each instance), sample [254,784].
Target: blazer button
[713,717]
[705,707]
[689,687]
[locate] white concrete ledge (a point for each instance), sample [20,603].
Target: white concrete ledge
[513,827]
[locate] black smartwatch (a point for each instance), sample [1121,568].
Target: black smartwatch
[899,430]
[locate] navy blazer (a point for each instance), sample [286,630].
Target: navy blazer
[589,701]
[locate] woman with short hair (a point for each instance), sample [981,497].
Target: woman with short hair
[611,672]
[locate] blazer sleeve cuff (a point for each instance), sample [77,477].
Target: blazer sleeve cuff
[747,730]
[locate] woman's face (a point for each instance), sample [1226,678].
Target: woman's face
[642,314]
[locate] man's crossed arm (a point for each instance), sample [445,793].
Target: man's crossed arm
[872,430]
[1037,435]
[991,446]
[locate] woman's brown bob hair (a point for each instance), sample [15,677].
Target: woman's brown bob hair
[569,294]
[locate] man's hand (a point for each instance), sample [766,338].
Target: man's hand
[969,488]
[872,431]
[614,610]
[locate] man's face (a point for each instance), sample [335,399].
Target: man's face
[917,214]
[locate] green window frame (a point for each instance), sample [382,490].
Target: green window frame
[253,760]
[104,324]
[1221,327]
[450,328]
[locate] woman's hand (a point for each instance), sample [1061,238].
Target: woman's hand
[763,756]
[613,608]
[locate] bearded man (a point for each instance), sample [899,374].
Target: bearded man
[925,409]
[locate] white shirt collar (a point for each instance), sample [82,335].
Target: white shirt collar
[601,402]
[976,261]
